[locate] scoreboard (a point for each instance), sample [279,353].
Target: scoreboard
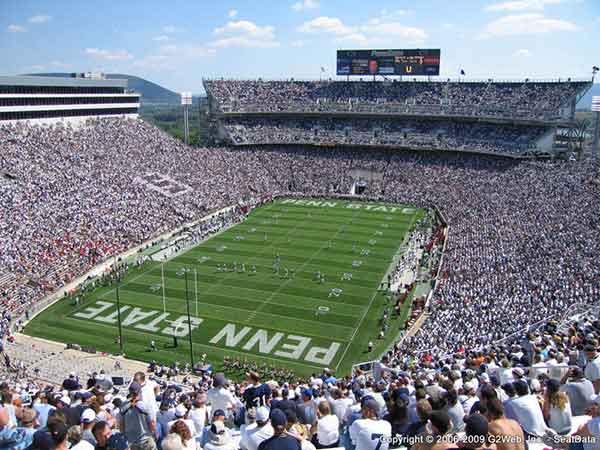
[415,62]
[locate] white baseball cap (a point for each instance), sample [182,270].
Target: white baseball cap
[88,416]
[65,399]
[180,410]
[262,414]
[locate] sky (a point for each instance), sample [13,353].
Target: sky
[176,43]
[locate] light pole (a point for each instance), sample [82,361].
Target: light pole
[596,143]
[119,317]
[187,301]
[186,100]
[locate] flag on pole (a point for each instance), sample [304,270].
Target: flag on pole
[462,72]
[596,103]
[595,69]
[322,69]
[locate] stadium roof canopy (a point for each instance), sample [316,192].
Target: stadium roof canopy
[58,81]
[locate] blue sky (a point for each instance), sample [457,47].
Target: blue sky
[176,43]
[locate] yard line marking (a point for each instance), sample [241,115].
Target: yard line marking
[251,260]
[328,302]
[161,338]
[178,300]
[265,302]
[367,309]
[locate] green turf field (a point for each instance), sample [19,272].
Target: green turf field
[264,316]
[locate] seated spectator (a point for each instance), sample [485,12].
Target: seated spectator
[327,430]
[557,409]
[526,410]
[579,390]
[280,439]
[257,432]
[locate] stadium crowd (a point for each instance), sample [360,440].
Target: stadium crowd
[513,395]
[522,248]
[430,135]
[526,99]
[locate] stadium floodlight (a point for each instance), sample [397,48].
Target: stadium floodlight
[186,100]
[596,109]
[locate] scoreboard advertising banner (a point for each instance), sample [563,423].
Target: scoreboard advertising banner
[389,62]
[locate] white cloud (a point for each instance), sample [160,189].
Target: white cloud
[522,53]
[109,55]
[37,67]
[40,18]
[232,13]
[12,28]
[303,5]
[324,24]
[243,33]
[521,5]
[243,41]
[377,32]
[530,23]
[161,38]
[297,44]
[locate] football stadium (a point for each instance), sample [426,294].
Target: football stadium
[382,258]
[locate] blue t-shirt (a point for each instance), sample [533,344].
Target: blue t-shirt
[43,410]
[256,396]
[280,442]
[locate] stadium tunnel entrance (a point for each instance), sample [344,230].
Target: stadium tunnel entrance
[362,179]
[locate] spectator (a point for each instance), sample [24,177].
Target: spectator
[280,439]
[219,438]
[326,433]
[257,432]
[136,422]
[181,429]
[578,389]
[592,368]
[557,409]
[370,433]
[526,410]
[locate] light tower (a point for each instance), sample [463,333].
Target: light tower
[596,143]
[186,100]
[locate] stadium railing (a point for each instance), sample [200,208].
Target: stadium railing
[360,107]
[437,79]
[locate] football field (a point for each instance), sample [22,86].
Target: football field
[295,285]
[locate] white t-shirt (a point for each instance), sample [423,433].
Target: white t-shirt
[188,422]
[221,398]
[340,406]
[149,398]
[252,436]
[594,428]
[592,369]
[367,434]
[83,445]
[199,417]
[328,430]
